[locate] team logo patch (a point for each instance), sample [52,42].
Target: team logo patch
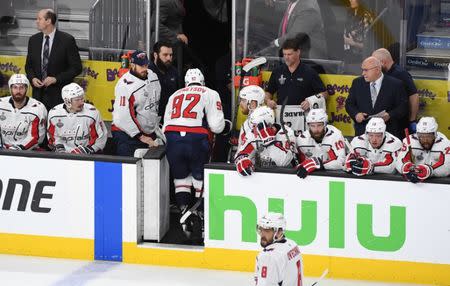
[300,79]
[127,81]
[282,80]
[419,157]
[59,124]
[2,117]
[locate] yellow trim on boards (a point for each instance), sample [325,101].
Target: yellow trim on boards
[48,246]
[339,267]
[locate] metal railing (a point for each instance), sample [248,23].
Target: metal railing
[116,26]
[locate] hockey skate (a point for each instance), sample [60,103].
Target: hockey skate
[192,226]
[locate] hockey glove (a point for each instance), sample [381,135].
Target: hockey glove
[362,166]
[349,161]
[423,171]
[408,171]
[308,166]
[265,133]
[83,150]
[244,165]
[16,147]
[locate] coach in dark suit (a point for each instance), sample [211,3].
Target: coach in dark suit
[376,94]
[52,61]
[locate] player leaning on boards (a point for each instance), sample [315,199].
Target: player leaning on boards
[373,152]
[280,262]
[424,154]
[260,139]
[321,146]
[74,126]
[191,113]
[22,119]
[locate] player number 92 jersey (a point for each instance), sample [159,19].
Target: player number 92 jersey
[187,107]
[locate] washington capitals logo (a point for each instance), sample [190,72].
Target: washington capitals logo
[59,124]
[2,116]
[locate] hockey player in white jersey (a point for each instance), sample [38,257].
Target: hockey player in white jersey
[22,118]
[424,154]
[373,152]
[262,142]
[191,113]
[250,97]
[321,146]
[74,126]
[135,116]
[280,262]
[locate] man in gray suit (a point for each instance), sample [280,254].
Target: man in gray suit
[303,16]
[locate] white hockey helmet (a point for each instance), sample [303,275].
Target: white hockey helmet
[194,76]
[376,125]
[317,115]
[253,92]
[427,125]
[18,78]
[273,221]
[262,114]
[71,91]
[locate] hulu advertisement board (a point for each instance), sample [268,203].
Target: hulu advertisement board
[332,216]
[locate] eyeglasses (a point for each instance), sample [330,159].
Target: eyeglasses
[368,69]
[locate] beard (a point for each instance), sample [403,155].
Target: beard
[19,97]
[163,66]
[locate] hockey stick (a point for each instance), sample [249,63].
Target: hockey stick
[408,142]
[325,273]
[254,63]
[285,132]
[185,216]
[1,139]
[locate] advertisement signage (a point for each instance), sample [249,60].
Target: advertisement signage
[332,216]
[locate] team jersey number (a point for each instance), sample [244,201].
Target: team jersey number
[178,104]
[264,272]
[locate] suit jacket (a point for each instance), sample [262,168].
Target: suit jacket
[391,98]
[306,18]
[171,15]
[64,64]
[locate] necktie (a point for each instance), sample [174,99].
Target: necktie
[45,55]
[373,93]
[285,19]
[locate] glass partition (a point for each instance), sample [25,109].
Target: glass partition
[428,38]
[336,35]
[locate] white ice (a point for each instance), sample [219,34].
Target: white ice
[36,271]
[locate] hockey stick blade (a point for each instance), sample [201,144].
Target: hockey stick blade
[325,273]
[190,210]
[254,63]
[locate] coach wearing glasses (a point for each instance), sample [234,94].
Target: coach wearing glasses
[52,61]
[376,94]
